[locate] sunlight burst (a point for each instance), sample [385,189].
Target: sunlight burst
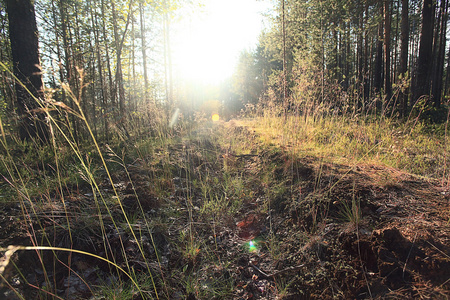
[208,42]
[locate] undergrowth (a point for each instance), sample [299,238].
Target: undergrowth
[412,147]
[168,213]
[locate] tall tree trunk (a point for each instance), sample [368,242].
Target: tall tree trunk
[283,36]
[144,52]
[422,77]
[404,56]
[346,56]
[133,98]
[387,50]
[360,58]
[68,63]
[26,66]
[5,55]
[322,52]
[79,62]
[60,59]
[439,45]
[119,42]
[335,56]
[93,87]
[366,55]
[112,92]
[447,77]
[378,69]
[119,76]
[340,54]
[103,89]
[378,72]
[166,72]
[396,41]
[167,59]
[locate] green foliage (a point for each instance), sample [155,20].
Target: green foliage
[428,113]
[246,81]
[351,212]
[413,147]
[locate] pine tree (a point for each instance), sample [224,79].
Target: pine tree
[26,63]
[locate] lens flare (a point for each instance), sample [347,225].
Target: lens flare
[251,246]
[174,119]
[215,117]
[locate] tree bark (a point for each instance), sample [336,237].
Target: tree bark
[360,56]
[119,76]
[26,66]
[103,88]
[439,55]
[404,55]
[422,78]
[378,68]
[366,55]
[167,58]
[378,72]
[387,50]
[283,33]
[112,92]
[144,52]
[69,64]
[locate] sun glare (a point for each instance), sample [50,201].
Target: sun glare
[215,117]
[208,42]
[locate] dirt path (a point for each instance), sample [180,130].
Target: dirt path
[232,218]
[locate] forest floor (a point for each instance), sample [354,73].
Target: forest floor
[221,214]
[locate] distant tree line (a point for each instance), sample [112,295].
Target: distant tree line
[111,59]
[389,57]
